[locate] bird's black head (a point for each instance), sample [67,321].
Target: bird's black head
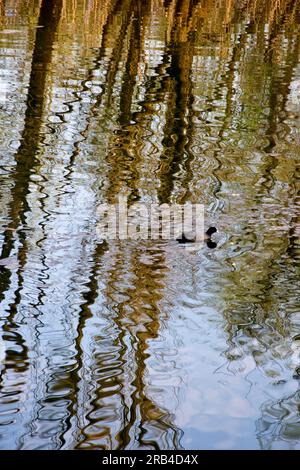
[211,231]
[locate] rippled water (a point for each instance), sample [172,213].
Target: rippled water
[126,345]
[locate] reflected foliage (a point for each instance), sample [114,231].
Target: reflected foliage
[125,345]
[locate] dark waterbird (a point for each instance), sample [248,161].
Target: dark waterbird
[185,239]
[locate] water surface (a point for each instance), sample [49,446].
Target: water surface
[126,345]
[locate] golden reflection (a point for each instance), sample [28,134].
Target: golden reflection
[166,101]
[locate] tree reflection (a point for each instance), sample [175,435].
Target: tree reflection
[166,101]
